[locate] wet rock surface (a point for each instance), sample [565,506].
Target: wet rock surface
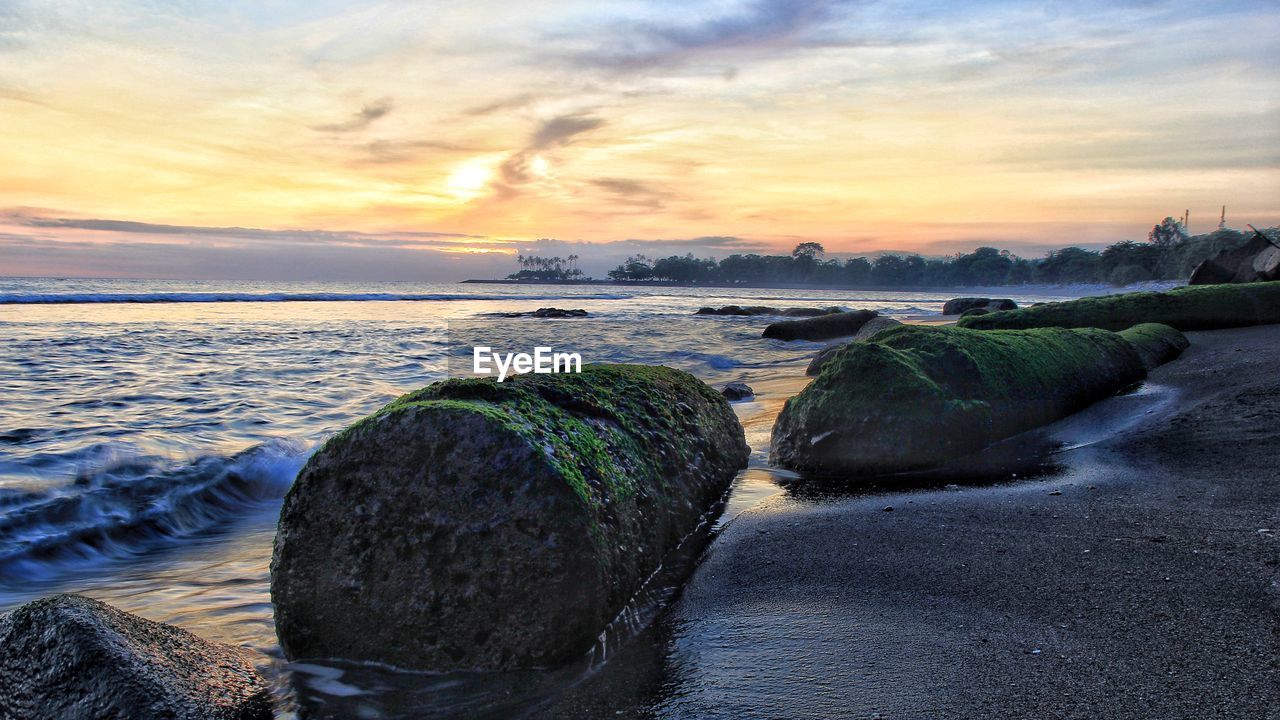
[833,325]
[735,391]
[752,310]
[484,525]
[68,657]
[957,306]
[548,312]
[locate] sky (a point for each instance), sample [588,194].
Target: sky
[264,139]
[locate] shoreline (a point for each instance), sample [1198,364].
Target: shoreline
[992,290]
[1134,580]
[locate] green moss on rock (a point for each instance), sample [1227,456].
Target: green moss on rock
[477,524]
[915,397]
[1156,344]
[1200,307]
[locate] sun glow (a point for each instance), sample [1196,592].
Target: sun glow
[470,179]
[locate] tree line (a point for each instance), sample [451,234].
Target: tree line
[1169,253]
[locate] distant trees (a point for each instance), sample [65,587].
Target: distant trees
[1169,253]
[536,267]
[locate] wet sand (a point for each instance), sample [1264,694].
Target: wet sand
[1138,579]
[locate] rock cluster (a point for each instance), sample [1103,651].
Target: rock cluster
[1258,260]
[958,306]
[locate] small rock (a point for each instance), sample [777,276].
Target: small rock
[888,508]
[738,391]
[1056,492]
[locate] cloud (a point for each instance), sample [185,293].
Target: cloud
[557,132]
[760,24]
[131,227]
[362,119]
[632,192]
[510,103]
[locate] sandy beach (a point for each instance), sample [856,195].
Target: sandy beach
[1137,577]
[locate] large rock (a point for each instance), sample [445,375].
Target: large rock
[820,328]
[67,657]
[549,312]
[1201,307]
[917,397]
[1156,344]
[1257,260]
[482,525]
[873,327]
[956,306]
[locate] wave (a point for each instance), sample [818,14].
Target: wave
[133,505]
[221,297]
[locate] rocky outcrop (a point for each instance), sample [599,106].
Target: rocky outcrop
[957,306]
[482,525]
[873,327]
[549,312]
[766,310]
[735,391]
[67,657]
[918,397]
[1201,307]
[839,324]
[1258,260]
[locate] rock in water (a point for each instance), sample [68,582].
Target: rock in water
[917,397]
[874,326]
[1201,307]
[483,525]
[67,657]
[820,328]
[957,306]
[737,391]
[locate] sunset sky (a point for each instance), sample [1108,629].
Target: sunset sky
[431,140]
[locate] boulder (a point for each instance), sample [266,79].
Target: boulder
[68,657]
[1257,260]
[1199,307]
[737,391]
[820,328]
[917,397]
[957,306]
[549,312]
[873,327]
[974,311]
[482,525]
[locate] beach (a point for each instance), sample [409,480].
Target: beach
[1119,563]
[1136,578]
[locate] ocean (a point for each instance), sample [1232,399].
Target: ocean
[149,429]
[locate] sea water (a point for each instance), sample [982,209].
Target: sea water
[149,429]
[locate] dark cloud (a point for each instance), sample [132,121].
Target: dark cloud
[632,192]
[556,132]
[361,120]
[27,219]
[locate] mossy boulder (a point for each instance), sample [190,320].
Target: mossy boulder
[832,325]
[958,306]
[917,397]
[1156,344]
[68,657]
[1200,307]
[482,525]
[873,327]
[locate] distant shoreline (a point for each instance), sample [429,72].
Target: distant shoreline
[986,289]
